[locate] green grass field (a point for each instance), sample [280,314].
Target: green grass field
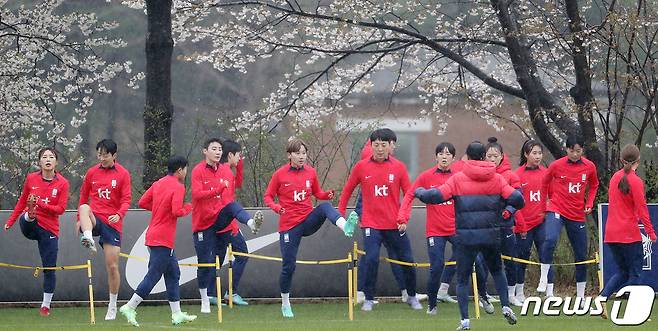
[326,316]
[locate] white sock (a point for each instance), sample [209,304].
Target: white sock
[251,223]
[340,222]
[204,295]
[87,234]
[47,297]
[404,293]
[285,299]
[113,300]
[580,289]
[27,218]
[549,290]
[443,290]
[466,321]
[519,290]
[175,307]
[510,291]
[543,277]
[135,301]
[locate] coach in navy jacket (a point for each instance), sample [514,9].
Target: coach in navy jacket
[480,196]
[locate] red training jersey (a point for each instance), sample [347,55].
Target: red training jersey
[566,182]
[208,185]
[165,201]
[52,196]
[440,218]
[293,187]
[625,210]
[108,192]
[381,183]
[232,182]
[535,197]
[505,170]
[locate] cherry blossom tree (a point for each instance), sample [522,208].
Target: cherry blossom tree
[554,57]
[51,70]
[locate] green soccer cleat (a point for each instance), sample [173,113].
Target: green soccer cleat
[237,299]
[130,314]
[350,225]
[287,312]
[258,221]
[182,317]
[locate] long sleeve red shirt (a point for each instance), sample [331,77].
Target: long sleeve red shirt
[165,201]
[440,219]
[381,183]
[208,185]
[232,182]
[293,187]
[567,182]
[52,196]
[625,210]
[535,198]
[108,192]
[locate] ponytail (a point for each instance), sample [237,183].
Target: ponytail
[630,155]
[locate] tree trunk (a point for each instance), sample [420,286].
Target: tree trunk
[158,112]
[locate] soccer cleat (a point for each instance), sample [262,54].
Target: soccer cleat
[350,224]
[508,313]
[520,298]
[286,311]
[44,311]
[181,317]
[237,299]
[130,314]
[486,305]
[88,243]
[421,296]
[367,305]
[491,298]
[431,311]
[515,302]
[445,298]
[415,305]
[212,300]
[111,314]
[464,325]
[258,221]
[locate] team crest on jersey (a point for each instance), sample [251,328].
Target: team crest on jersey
[391,177]
[114,183]
[584,177]
[308,183]
[54,192]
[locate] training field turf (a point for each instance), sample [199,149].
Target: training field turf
[308,317]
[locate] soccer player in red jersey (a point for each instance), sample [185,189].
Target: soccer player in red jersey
[622,234]
[165,201]
[440,219]
[213,210]
[508,244]
[381,179]
[530,173]
[44,198]
[104,200]
[231,159]
[294,184]
[571,183]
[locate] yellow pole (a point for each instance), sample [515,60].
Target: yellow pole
[219,289]
[476,297]
[350,285]
[92,316]
[355,273]
[230,276]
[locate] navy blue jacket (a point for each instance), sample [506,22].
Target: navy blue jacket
[480,196]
